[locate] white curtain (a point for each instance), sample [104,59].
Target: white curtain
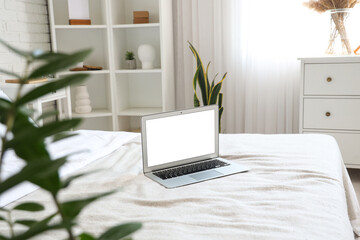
[257,43]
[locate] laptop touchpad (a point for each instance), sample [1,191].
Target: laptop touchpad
[206,175]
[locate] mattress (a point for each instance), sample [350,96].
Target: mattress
[297,188]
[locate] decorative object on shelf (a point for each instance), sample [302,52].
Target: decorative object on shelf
[339,11]
[130,60]
[31,81]
[82,103]
[146,54]
[357,50]
[90,67]
[79,13]
[141,17]
[86,68]
[210,93]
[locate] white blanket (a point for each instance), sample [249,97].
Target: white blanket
[86,147]
[297,188]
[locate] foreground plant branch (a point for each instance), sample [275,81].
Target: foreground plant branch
[28,142]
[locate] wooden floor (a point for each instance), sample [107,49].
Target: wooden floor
[355,179]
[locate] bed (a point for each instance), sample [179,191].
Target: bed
[297,188]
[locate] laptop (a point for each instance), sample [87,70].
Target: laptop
[182,147]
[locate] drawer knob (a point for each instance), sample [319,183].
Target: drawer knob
[328,114]
[329,79]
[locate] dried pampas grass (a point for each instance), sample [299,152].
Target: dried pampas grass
[324,5]
[337,17]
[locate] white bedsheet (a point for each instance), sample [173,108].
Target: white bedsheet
[92,144]
[297,188]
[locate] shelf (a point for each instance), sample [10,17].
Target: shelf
[79,26]
[156,70]
[139,111]
[145,25]
[95,113]
[87,72]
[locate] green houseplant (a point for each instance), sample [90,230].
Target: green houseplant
[28,142]
[130,60]
[210,93]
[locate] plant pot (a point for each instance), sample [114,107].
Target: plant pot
[131,64]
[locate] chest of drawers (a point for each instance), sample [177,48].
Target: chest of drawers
[330,102]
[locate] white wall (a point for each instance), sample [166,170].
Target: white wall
[24,24]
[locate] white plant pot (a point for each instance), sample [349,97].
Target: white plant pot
[146,54]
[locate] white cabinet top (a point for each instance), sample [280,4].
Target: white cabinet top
[331,59]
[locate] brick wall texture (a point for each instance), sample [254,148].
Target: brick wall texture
[24,24]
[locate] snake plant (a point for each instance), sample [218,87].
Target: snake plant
[210,93]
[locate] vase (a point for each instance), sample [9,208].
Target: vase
[339,43]
[146,54]
[131,64]
[82,100]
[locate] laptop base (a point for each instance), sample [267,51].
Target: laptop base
[205,175]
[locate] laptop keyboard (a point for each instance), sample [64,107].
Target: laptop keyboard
[191,168]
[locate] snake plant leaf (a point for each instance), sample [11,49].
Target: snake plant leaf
[207,82]
[213,82]
[203,83]
[221,110]
[120,231]
[216,90]
[220,100]
[71,209]
[60,63]
[196,98]
[29,206]
[51,87]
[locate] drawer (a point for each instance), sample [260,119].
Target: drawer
[339,114]
[349,146]
[332,79]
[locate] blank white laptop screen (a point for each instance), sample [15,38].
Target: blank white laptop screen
[180,137]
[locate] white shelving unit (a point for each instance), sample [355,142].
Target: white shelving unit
[119,96]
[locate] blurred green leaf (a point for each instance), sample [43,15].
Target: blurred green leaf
[31,173]
[40,227]
[2,237]
[51,87]
[25,222]
[86,236]
[67,181]
[42,132]
[47,114]
[120,231]
[50,56]
[71,209]
[27,55]
[29,206]
[2,219]
[10,73]
[59,63]
[61,136]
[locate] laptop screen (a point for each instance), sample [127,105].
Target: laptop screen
[180,137]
